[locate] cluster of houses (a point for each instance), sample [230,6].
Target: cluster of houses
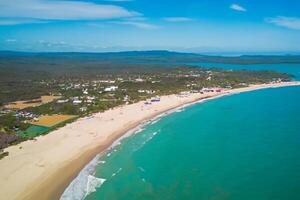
[85,99]
[279,80]
[205,90]
[147,91]
[110,86]
[26,114]
[77,100]
[202,91]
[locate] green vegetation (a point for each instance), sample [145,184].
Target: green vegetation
[33,131]
[91,83]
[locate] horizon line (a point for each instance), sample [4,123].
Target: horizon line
[221,53]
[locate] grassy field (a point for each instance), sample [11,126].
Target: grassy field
[19,105]
[33,131]
[52,120]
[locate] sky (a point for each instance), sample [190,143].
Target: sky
[202,26]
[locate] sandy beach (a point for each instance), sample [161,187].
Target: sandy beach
[42,168]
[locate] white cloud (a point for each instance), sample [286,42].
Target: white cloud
[178,19]
[237,8]
[20,10]
[141,25]
[288,22]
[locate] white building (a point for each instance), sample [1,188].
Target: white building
[77,101]
[83,109]
[85,91]
[111,89]
[62,101]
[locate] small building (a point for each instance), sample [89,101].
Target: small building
[83,109]
[77,101]
[111,89]
[126,98]
[91,98]
[156,99]
[62,101]
[85,92]
[139,80]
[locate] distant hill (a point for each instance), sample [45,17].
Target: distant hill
[123,54]
[147,57]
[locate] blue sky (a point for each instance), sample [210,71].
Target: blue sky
[205,26]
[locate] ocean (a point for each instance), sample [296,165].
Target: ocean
[245,146]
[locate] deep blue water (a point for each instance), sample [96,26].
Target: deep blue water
[245,146]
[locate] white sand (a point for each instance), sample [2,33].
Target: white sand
[43,168]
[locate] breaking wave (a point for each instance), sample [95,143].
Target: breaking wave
[85,183]
[92,184]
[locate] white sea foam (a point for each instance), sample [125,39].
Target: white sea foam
[92,184]
[155,121]
[84,183]
[147,139]
[117,172]
[139,130]
[180,110]
[101,162]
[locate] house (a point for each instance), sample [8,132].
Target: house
[150,91]
[90,99]
[147,103]
[146,91]
[77,101]
[62,101]
[156,99]
[126,98]
[111,89]
[83,109]
[85,91]
[77,86]
[139,80]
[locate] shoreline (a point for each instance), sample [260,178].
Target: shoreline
[43,168]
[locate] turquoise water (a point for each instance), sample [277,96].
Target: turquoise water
[245,146]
